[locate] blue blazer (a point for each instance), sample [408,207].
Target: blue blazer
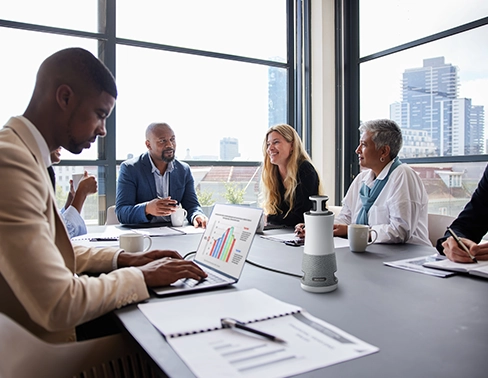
[136,187]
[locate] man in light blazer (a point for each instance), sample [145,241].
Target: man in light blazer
[42,282]
[151,185]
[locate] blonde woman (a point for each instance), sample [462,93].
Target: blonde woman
[288,177]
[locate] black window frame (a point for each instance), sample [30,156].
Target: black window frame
[348,61]
[297,66]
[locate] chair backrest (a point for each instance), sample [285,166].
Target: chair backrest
[23,355]
[335,209]
[111,216]
[437,226]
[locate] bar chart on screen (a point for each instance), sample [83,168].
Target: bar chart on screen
[225,240]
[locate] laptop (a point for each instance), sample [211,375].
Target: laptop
[222,250]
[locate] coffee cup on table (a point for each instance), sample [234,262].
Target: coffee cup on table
[178,217]
[360,236]
[134,242]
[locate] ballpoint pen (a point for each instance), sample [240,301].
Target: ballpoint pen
[232,323]
[113,238]
[461,244]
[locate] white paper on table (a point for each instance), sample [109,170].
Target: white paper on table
[159,231]
[290,236]
[243,305]
[240,354]
[189,229]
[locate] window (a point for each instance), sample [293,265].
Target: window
[421,64]
[219,72]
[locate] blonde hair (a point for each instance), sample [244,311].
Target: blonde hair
[270,178]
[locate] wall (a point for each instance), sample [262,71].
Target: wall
[323,94]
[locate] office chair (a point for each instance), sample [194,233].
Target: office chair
[111,216]
[23,355]
[335,209]
[437,225]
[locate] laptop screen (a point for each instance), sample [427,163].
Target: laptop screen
[227,239]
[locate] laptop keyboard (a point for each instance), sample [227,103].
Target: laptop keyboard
[211,279]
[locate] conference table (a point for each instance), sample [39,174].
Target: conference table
[424,326]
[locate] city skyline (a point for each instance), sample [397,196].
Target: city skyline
[435,121]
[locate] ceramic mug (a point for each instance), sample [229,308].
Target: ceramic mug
[359,235]
[134,242]
[178,217]
[76,177]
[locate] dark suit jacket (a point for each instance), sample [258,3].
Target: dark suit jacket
[472,222]
[136,187]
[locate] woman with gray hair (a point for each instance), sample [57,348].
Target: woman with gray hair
[387,195]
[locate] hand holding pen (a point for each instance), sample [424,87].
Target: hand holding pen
[450,253]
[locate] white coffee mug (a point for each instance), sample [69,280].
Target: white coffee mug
[76,177]
[134,242]
[178,217]
[359,235]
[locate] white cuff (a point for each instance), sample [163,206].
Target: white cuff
[114,259]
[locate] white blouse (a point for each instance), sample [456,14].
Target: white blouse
[399,214]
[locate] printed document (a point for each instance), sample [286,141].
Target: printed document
[310,342]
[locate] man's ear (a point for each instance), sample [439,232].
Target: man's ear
[64,96]
[148,144]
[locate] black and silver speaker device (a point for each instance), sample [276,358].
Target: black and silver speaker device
[319,260]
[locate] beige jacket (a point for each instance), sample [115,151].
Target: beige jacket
[38,285]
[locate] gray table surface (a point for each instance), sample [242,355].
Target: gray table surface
[425,326]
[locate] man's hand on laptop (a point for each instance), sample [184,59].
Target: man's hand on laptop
[161,267]
[165,271]
[142,258]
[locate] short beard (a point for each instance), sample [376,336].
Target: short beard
[168,160]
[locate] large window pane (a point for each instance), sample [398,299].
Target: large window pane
[253,28]
[73,14]
[219,109]
[25,51]
[437,92]
[90,210]
[388,23]
[449,185]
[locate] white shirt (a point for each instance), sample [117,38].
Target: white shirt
[162,186]
[399,214]
[74,222]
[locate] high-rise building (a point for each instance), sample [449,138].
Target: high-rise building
[430,104]
[276,96]
[229,148]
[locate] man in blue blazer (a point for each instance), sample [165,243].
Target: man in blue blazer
[151,186]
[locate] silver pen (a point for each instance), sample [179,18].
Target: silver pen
[461,244]
[232,323]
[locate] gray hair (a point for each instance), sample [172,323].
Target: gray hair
[384,132]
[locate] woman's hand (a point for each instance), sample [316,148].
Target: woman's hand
[300,230]
[340,230]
